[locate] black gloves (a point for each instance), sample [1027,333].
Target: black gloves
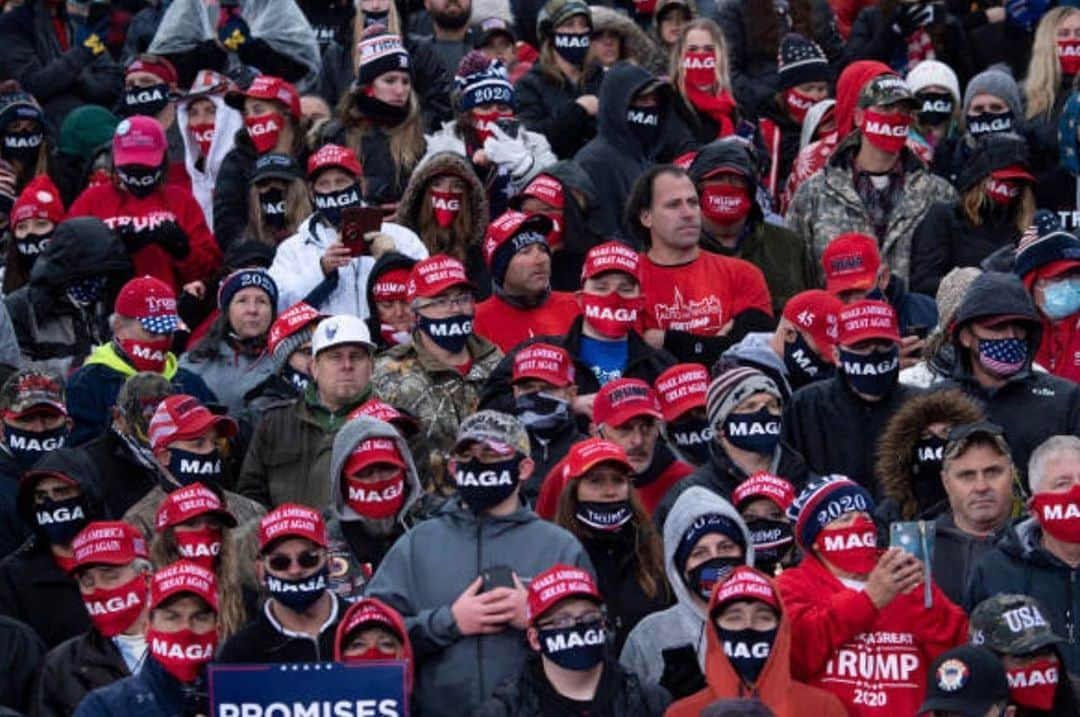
[170,237]
[909,17]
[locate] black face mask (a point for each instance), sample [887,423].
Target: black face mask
[803,364]
[937,107]
[300,381]
[272,208]
[31,245]
[702,578]
[757,432]
[747,650]
[572,46]
[23,147]
[541,413]
[376,18]
[574,648]
[145,100]
[484,485]
[380,112]
[188,467]
[986,123]
[772,540]
[873,374]
[926,472]
[644,123]
[58,521]
[139,181]
[29,446]
[450,333]
[692,438]
[604,517]
[331,203]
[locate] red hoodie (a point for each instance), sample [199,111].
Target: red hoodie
[874,660]
[117,207]
[1059,351]
[383,613]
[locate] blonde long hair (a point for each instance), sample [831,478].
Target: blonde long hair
[975,201]
[297,207]
[676,71]
[1044,71]
[407,143]
[392,24]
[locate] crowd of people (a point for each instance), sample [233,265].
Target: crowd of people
[664,357]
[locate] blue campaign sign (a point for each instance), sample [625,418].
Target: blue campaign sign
[358,689]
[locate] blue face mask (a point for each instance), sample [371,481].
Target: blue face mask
[1003,357]
[1061,299]
[86,291]
[574,648]
[299,381]
[757,432]
[60,520]
[873,374]
[299,595]
[450,333]
[29,446]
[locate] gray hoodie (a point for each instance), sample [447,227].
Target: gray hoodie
[756,350]
[684,622]
[430,566]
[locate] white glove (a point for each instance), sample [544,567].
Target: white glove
[507,152]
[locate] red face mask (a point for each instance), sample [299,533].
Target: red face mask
[264,130]
[1068,52]
[612,315]
[113,611]
[699,68]
[1002,191]
[645,8]
[887,132]
[1059,514]
[201,547]
[1034,685]
[204,135]
[183,653]
[446,206]
[852,548]
[798,104]
[376,499]
[372,653]
[725,203]
[484,122]
[554,239]
[147,355]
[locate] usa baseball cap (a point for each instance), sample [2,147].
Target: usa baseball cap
[151,301]
[625,398]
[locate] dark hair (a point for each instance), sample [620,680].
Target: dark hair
[641,198]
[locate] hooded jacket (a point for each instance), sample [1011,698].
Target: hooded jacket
[387,262]
[684,623]
[430,566]
[775,687]
[204,173]
[1030,405]
[1019,564]
[615,158]
[550,107]
[755,350]
[394,618]
[53,333]
[13,529]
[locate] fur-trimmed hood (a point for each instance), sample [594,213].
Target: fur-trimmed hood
[439,163]
[636,45]
[896,447]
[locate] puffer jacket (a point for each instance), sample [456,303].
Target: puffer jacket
[827,205]
[230,374]
[52,332]
[550,107]
[684,624]
[73,669]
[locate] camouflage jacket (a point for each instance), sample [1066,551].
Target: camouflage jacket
[437,395]
[827,205]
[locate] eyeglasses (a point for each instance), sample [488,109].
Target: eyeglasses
[307,560]
[563,622]
[461,301]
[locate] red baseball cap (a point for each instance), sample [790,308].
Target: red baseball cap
[139,140]
[391,285]
[183,576]
[682,388]
[557,583]
[371,451]
[334,155]
[868,320]
[291,320]
[518,228]
[369,611]
[108,542]
[159,67]
[625,398]
[185,503]
[685,160]
[851,261]
[817,313]
[1013,171]
[382,411]
[181,417]
[744,583]
[40,199]
[544,362]
[547,189]
[434,275]
[267,87]
[586,455]
[764,485]
[290,520]
[611,256]
[151,301]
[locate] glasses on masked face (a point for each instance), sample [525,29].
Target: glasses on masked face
[306,560]
[562,622]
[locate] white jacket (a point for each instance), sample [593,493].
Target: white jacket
[296,269]
[226,123]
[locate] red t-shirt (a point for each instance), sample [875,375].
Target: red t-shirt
[703,295]
[506,326]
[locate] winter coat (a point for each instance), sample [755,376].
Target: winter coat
[436,395]
[637,46]
[203,171]
[229,198]
[827,205]
[431,565]
[835,430]
[297,270]
[776,687]
[549,106]
[945,239]
[13,529]
[956,554]
[122,212]
[53,333]
[684,624]
[619,694]
[126,476]
[507,324]
[264,639]
[875,661]
[143,515]
[230,374]
[75,668]
[22,652]
[1059,350]
[92,390]
[151,692]
[872,38]
[615,157]
[60,80]
[1019,564]
[755,350]
[721,476]
[548,452]
[9,343]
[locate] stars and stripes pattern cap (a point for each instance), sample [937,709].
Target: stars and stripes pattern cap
[800,61]
[152,302]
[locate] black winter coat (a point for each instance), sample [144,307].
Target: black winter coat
[124,480]
[550,108]
[231,190]
[383,183]
[21,653]
[74,668]
[34,590]
[262,640]
[546,452]
[872,38]
[13,529]
[955,556]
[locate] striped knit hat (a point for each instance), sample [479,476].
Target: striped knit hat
[822,502]
[731,388]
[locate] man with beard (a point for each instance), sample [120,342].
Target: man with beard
[450,38]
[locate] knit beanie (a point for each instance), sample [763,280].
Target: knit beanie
[731,388]
[933,72]
[709,523]
[19,105]
[800,61]
[86,131]
[951,292]
[481,80]
[290,344]
[243,279]
[380,52]
[39,199]
[290,331]
[823,501]
[998,83]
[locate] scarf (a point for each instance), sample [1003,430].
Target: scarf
[719,107]
[919,47]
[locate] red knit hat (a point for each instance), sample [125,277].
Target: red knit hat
[39,199]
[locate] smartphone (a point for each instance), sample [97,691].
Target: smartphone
[355,223]
[917,538]
[497,576]
[510,126]
[920,330]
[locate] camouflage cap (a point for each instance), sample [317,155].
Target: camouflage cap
[139,397]
[1011,625]
[886,89]
[495,429]
[31,390]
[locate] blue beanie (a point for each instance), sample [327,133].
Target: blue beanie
[709,523]
[822,502]
[482,81]
[243,279]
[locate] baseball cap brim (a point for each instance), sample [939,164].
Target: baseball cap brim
[726,168]
[872,333]
[154,324]
[958,705]
[495,443]
[1013,173]
[23,409]
[997,320]
[225,427]
[848,283]
[620,416]
[277,173]
[599,461]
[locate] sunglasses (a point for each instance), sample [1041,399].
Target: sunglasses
[307,560]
